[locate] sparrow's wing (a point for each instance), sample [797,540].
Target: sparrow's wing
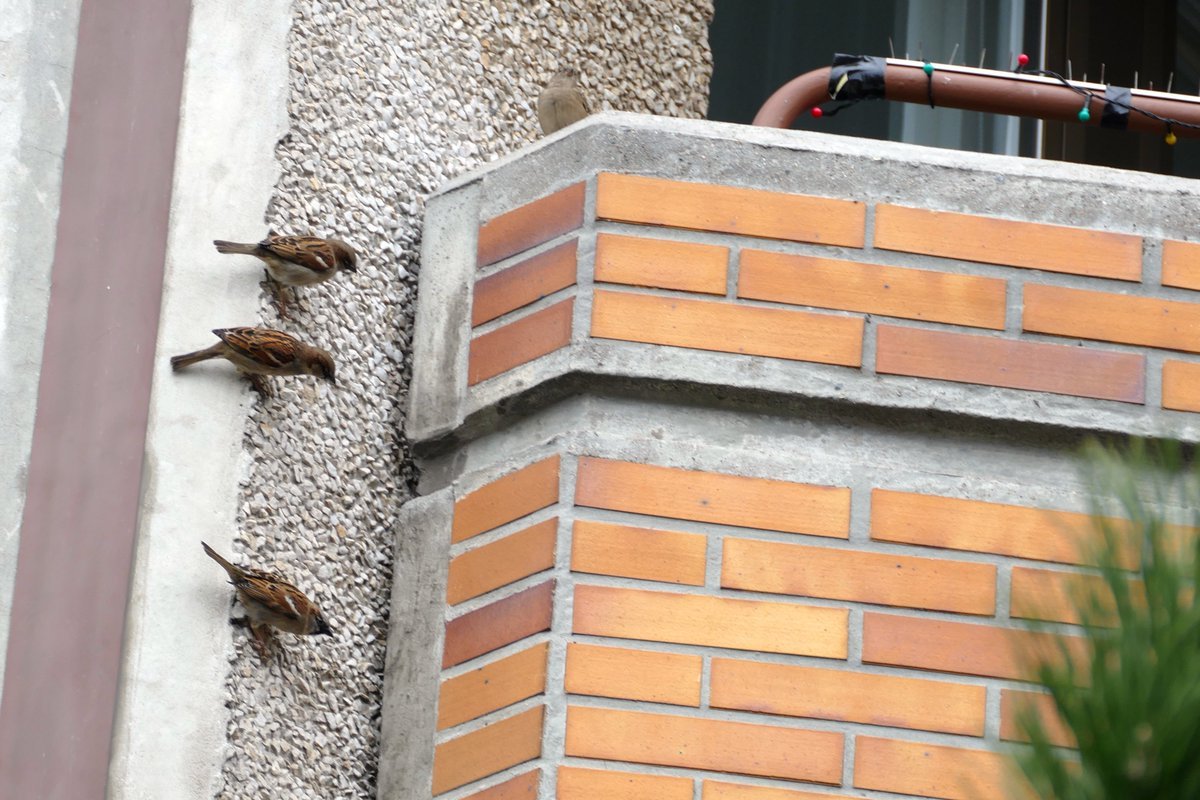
[582,104]
[270,348]
[559,107]
[276,594]
[307,251]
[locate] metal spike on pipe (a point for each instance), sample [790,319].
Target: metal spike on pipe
[953,53]
[982,56]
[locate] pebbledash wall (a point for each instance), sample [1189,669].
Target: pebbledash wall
[746,452]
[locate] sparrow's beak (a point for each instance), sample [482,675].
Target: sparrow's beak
[322,627]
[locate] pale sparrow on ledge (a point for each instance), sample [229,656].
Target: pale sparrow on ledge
[269,600]
[296,260]
[561,102]
[261,351]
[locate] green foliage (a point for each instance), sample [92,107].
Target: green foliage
[1134,706]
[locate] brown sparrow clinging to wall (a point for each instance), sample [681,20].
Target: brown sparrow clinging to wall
[257,352]
[270,600]
[561,102]
[296,260]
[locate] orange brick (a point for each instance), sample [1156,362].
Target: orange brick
[501,562]
[1181,264]
[728,328]
[1181,385]
[519,342]
[661,263]
[959,647]
[719,790]
[931,770]
[714,497]
[714,621]
[493,626]
[707,744]
[487,751]
[1019,531]
[645,675]
[522,787]
[576,783]
[524,283]
[1169,324]
[1054,248]
[750,212]
[890,580]
[491,687]
[1014,704]
[846,696]
[872,288]
[506,499]
[992,361]
[631,552]
[531,224]
[1055,596]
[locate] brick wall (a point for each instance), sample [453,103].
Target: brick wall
[1011,327]
[768,603]
[715,621]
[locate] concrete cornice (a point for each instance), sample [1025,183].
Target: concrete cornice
[445,409]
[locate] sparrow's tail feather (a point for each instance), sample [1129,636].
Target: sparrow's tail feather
[187,359]
[233,571]
[235,247]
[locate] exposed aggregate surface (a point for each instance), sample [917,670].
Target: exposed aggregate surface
[388,101]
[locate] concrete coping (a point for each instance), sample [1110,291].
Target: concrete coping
[443,408]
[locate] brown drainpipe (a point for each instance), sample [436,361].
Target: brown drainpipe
[986,90]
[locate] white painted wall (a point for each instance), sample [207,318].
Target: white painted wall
[171,720]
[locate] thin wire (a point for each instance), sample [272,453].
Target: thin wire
[1169,122]
[1120,104]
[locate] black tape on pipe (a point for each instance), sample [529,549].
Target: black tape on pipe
[854,78]
[1116,107]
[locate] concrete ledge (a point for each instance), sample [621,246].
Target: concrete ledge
[411,670]
[447,267]
[1078,196]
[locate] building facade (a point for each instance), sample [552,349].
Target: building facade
[670,458]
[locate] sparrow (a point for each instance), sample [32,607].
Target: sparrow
[258,352]
[561,103]
[269,600]
[296,260]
